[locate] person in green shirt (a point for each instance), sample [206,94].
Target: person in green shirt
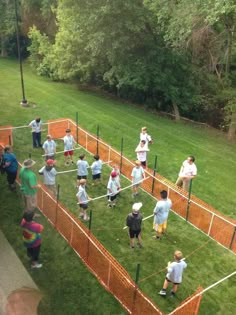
[29,185]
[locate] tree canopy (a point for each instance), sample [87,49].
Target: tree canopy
[177,56]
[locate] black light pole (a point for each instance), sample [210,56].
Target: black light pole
[24,101]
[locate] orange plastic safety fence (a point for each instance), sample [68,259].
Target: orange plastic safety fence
[6,135]
[109,272]
[190,306]
[195,210]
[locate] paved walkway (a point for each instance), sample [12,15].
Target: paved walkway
[15,284]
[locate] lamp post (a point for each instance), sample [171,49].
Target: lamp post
[24,101]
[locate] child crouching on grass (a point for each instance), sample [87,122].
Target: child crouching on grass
[174,273]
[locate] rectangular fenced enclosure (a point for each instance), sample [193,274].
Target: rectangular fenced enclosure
[112,275]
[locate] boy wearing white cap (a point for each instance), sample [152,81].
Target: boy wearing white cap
[134,222]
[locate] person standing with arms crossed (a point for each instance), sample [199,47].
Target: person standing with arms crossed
[29,185]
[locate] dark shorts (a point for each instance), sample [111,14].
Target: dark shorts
[134,233]
[82,177]
[83,206]
[143,163]
[97,176]
[171,281]
[34,252]
[111,198]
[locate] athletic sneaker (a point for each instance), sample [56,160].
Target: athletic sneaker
[109,205]
[140,245]
[162,292]
[81,215]
[37,265]
[156,237]
[86,218]
[172,294]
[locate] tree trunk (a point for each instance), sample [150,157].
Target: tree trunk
[176,111]
[232,127]
[3,48]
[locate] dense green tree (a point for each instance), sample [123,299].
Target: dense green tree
[7,25]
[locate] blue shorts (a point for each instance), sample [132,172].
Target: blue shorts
[97,176]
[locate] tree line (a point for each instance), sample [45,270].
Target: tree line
[176,56]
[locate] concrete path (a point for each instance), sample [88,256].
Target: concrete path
[15,283]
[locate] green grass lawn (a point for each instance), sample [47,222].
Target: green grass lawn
[65,275]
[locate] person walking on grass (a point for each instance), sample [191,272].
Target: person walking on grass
[137,175]
[49,175]
[82,166]
[96,168]
[134,223]
[29,185]
[113,188]
[10,166]
[161,213]
[83,200]
[187,172]
[49,147]
[36,126]
[174,273]
[31,232]
[69,146]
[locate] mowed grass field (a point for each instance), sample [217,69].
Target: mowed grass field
[63,274]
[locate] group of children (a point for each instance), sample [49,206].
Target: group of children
[134,219]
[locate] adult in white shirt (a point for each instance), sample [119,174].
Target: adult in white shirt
[36,126]
[187,172]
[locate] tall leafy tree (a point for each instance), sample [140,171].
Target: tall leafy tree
[7,24]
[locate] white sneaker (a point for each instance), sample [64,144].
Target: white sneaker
[37,265]
[162,292]
[86,218]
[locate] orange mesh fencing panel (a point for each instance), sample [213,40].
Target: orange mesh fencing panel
[57,127]
[233,243]
[127,168]
[114,157]
[82,135]
[64,223]
[157,187]
[190,306]
[92,144]
[143,305]
[222,231]
[79,240]
[199,217]
[47,204]
[6,135]
[103,151]
[179,203]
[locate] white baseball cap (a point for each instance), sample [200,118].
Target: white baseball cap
[137,206]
